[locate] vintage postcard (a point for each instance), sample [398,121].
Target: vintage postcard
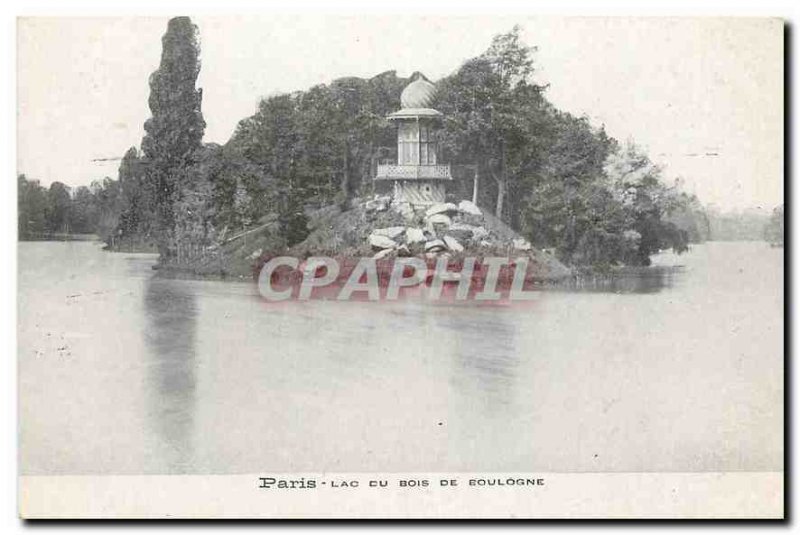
[307,266]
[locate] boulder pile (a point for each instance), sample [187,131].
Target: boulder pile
[385,229]
[440,228]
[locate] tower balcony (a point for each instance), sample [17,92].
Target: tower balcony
[413,172]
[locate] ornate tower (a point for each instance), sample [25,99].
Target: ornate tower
[418,179]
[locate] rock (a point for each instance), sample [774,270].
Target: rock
[383,254]
[416,248]
[469,219]
[378,204]
[389,232]
[438,222]
[435,246]
[479,233]
[381,242]
[404,209]
[415,235]
[521,244]
[459,234]
[469,207]
[463,231]
[255,254]
[453,244]
[440,208]
[438,254]
[403,250]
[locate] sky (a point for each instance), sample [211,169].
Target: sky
[703,96]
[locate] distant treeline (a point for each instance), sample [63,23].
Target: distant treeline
[773,232]
[751,225]
[554,177]
[58,210]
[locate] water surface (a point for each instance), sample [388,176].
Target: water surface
[122,372]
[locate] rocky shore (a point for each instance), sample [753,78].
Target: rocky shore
[381,229]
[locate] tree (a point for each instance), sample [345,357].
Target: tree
[194,214]
[108,206]
[570,205]
[134,198]
[31,208]
[84,211]
[647,203]
[692,217]
[773,232]
[319,145]
[57,212]
[495,118]
[238,189]
[174,132]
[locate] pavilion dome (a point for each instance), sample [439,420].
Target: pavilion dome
[418,94]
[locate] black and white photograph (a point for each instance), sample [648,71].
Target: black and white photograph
[400,266]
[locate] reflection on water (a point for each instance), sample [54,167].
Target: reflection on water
[484,367]
[664,369]
[647,280]
[171,360]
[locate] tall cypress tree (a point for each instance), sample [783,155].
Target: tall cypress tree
[175,130]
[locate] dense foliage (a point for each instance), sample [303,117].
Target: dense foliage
[556,178]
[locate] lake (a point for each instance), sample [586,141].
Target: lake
[124,372]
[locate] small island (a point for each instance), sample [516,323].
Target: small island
[414,219]
[478,163]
